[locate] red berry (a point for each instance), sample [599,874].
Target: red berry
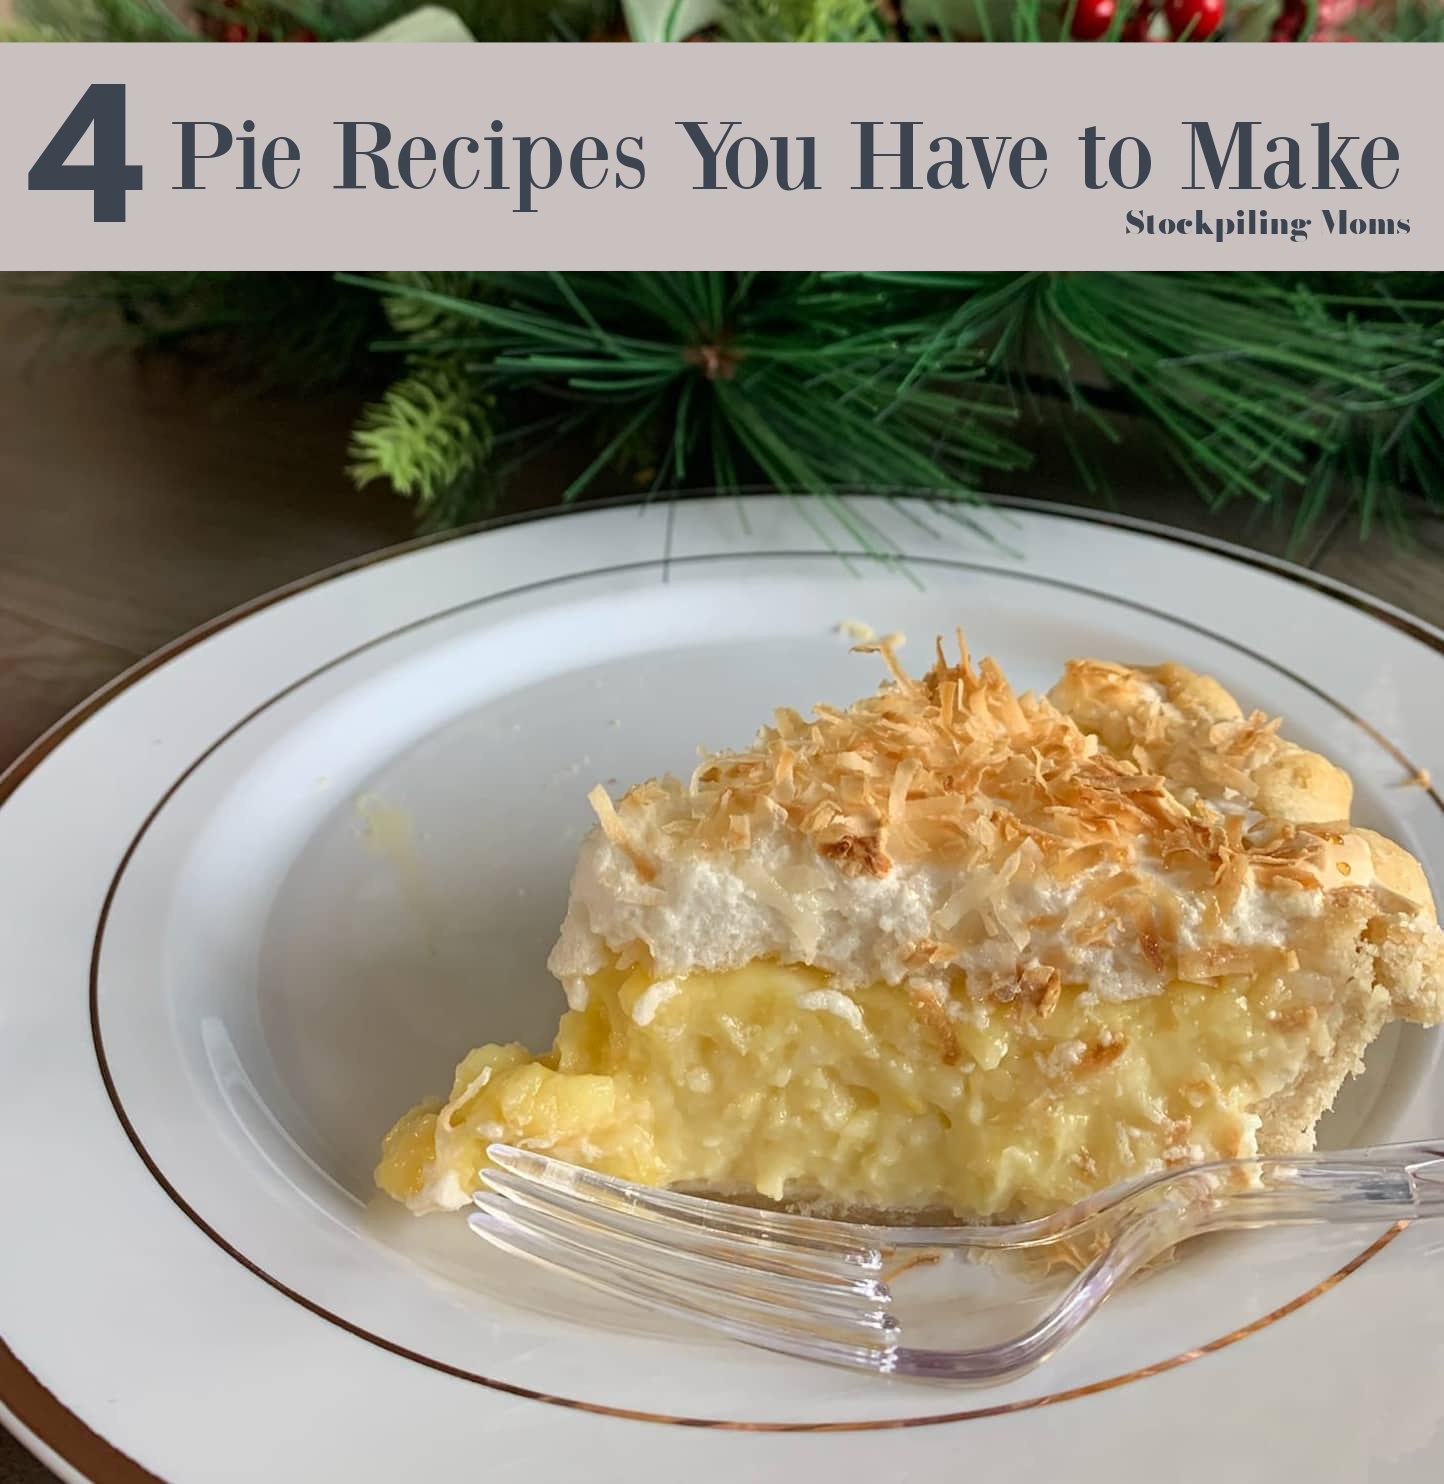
[1092,19]
[1204,16]
[235,32]
[304,34]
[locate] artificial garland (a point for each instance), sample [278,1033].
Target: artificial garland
[1286,390]
[730,20]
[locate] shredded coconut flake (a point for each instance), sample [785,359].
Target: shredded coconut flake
[855,629]
[1112,834]
[652,999]
[834,1002]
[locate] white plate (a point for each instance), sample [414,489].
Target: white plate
[262,898]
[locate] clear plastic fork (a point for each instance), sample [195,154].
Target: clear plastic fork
[820,1290]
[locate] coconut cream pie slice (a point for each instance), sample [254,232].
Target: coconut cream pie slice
[957,949]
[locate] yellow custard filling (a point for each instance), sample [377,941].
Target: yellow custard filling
[766,1078]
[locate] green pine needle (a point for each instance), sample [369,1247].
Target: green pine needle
[425,316]
[98,20]
[1264,384]
[429,436]
[1274,388]
[1404,21]
[802,21]
[805,381]
[328,20]
[577,20]
[1300,392]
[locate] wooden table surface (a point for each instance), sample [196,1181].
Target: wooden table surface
[137,501]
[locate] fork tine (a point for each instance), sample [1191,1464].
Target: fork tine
[859,1302]
[871,1352]
[700,1243]
[812,1288]
[867,1341]
[855,1241]
[872,1342]
[851,1243]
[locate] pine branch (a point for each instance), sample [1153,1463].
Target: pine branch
[275,20]
[1293,390]
[1267,386]
[429,436]
[803,21]
[100,20]
[424,320]
[579,20]
[806,381]
[296,332]
[1403,21]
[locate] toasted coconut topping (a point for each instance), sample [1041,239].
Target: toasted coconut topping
[955,768]
[616,832]
[1133,811]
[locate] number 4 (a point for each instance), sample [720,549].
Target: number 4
[103,105]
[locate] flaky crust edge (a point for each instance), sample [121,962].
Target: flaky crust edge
[1388,964]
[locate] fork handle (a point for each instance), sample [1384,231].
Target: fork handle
[1371,1188]
[1135,1244]
[1354,1189]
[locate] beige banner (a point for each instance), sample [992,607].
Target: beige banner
[528,156]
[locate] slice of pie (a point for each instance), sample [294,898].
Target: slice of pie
[958,950]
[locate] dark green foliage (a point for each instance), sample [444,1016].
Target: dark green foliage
[1269,387]
[98,20]
[1405,20]
[805,381]
[577,20]
[328,20]
[1272,388]
[271,331]
[803,21]
[1287,390]
[487,20]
